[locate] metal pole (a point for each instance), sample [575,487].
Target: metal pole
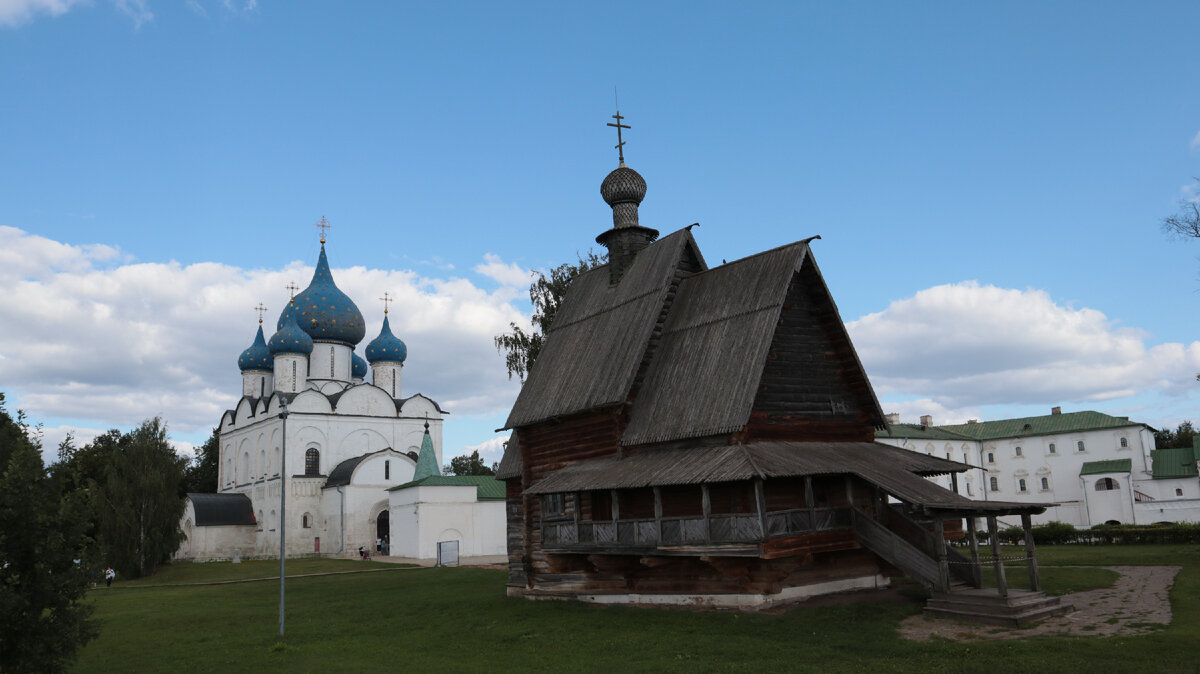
[283,414]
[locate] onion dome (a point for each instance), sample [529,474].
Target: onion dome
[622,185]
[358,366]
[386,348]
[258,356]
[290,339]
[324,311]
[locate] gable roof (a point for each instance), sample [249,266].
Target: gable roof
[510,462]
[214,510]
[1107,466]
[599,337]
[342,473]
[488,488]
[1175,462]
[1047,424]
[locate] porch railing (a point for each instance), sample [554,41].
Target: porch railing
[740,528]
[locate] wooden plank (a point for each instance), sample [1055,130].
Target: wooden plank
[939,536]
[706,507]
[760,502]
[1035,583]
[1001,581]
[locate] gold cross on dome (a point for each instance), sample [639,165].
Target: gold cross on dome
[620,143]
[386,299]
[292,288]
[323,225]
[260,309]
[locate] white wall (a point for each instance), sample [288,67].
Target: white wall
[426,515]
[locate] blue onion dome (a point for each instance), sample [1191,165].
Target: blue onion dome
[258,356]
[324,311]
[358,367]
[386,348]
[290,339]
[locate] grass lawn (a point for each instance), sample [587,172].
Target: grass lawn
[459,620]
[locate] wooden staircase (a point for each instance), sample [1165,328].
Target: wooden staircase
[1021,608]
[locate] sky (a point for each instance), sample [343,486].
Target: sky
[988,181]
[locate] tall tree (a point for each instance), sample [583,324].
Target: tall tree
[469,465]
[201,474]
[520,348]
[44,556]
[1180,437]
[137,502]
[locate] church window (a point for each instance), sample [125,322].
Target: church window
[1178,492]
[312,461]
[331,362]
[1045,484]
[387,470]
[262,386]
[1018,451]
[1124,442]
[947,456]
[1107,484]
[991,457]
[1079,447]
[306,521]
[293,376]
[994,483]
[1053,449]
[1021,485]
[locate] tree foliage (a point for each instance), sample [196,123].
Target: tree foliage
[200,476]
[44,560]
[469,465]
[1185,222]
[1180,437]
[137,502]
[520,348]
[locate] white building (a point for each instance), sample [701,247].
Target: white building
[1098,468]
[347,443]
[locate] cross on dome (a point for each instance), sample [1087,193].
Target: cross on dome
[292,288]
[386,299]
[620,143]
[260,309]
[322,225]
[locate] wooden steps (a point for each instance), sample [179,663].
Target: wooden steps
[1021,608]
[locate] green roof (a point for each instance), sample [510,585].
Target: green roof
[426,459]
[1175,462]
[488,488]
[1109,466]
[1048,424]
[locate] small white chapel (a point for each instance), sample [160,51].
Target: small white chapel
[359,461]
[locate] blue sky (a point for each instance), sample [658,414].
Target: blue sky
[987,181]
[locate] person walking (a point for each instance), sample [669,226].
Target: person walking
[109,574]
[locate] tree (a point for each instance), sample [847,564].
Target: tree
[44,570]
[520,348]
[1185,223]
[1180,437]
[137,502]
[469,465]
[200,476]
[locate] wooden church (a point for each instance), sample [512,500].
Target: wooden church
[705,436]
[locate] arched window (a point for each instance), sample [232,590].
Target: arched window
[1053,449]
[293,376]
[991,457]
[1124,441]
[312,461]
[1106,484]
[1079,446]
[387,469]
[306,521]
[1021,485]
[331,347]
[1019,451]
[1045,484]
[1178,492]
[994,483]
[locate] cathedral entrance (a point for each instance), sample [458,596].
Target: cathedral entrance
[382,531]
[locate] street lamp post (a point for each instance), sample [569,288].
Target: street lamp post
[283,414]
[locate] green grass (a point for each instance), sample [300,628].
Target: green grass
[460,620]
[260,568]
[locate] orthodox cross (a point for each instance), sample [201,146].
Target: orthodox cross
[260,309]
[386,299]
[322,225]
[620,143]
[292,288]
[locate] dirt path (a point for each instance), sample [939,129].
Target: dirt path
[1136,604]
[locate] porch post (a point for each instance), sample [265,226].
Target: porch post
[578,506]
[1035,583]
[1001,581]
[939,535]
[808,501]
[706,504]
[973,538]
[760,502]
[658,514]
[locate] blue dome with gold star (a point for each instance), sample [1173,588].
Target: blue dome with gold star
[324,311]
[290,339]
[386,348]
[358,367]
[258,356]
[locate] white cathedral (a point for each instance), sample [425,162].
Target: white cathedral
[360,462]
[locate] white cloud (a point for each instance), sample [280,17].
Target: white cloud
[112,345]
[18,12]
[1195,141]
[964,345]
[510,274]
[490,451]
[135,10]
